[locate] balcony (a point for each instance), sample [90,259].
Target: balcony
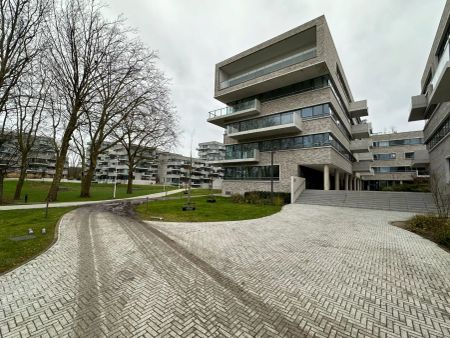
[269,68]
[250,156]
[286,59]
[364,156]
[360,146]
[358,109]
[363,168]
[441,78]
[419,105]
[271,125]
[220,117]
[421,159]
[361,130]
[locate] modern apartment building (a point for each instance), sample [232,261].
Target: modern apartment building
[112,165]
[179,170]
[41,159]
[211,151]
[433,103]
[397,158]
[290,112]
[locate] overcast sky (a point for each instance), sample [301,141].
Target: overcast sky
[383,46]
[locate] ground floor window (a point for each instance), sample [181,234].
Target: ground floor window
[261,173]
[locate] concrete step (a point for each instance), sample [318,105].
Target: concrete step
[381,200]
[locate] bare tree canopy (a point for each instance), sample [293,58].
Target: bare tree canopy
[152,126]
[88,83]
[79,40]
[128,79]
[21,22]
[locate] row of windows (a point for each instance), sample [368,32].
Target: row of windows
[320,110]
[392,169]
[263,173]
[442,131]
[245,150]
[392,156]
[402,142]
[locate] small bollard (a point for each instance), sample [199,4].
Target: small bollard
[30,231]
[146,208]
[26,198]
[43,231]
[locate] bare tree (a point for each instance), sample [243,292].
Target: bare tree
[20,27]
[151,127]
[27,104]
[8,151]
[78,40]
[441,196]
[126,83]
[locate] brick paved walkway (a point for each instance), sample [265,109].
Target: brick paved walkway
[307,271]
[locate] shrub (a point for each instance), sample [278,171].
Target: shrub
[413,187]
[265,197]
[434,227]
[237,198]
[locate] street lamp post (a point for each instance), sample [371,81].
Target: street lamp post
[115,182]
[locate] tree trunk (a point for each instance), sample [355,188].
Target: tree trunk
[23,173]
[59,167]
[2,179]
[130,180]
[86,182]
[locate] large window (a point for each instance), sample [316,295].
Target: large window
[384,157]
[299,87]
[257,173]
[307,141]
[401,142]
[440,133]
[261,122]
[392,169]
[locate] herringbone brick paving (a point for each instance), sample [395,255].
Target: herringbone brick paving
[308,271]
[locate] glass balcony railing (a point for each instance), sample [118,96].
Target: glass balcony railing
[241,154]
[234,109]
[445,57]
[270,68]
[262,122]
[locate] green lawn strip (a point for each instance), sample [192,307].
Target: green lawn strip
[197,192]
[15,223]
[222,210]
[70,192]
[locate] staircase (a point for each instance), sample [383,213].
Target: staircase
[417,202]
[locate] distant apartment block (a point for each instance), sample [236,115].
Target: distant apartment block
[179,170]
[41,159]
[211,151]
[112,165]
[155,167]
[290,112]
[433,103]
[396,158]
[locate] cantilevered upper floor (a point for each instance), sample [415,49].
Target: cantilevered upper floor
[303,53]
[435,83]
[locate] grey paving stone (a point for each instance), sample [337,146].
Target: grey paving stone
[310,270]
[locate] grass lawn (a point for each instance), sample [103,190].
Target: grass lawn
[69,192]
[222,210]
[15,223]
[197,192]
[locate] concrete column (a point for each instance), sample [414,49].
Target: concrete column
[337,181]
[346,181]
[355,180]
[359,184]
[326,177]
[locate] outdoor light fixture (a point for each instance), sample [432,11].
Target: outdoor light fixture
[30,231]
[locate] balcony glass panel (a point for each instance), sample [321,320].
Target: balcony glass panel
[235,108]
[262,122]
[272,67]
[444,58]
